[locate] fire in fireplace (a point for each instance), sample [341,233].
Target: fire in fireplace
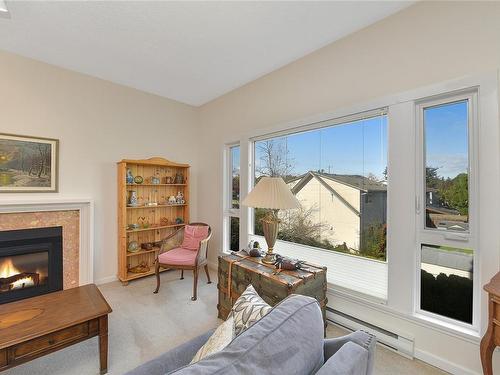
[30,262]
[23,271]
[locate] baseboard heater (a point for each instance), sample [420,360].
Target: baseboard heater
[393,341]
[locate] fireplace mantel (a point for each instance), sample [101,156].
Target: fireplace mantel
[85,206]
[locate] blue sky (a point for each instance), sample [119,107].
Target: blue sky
[358,147]
[446,138]
[235,160]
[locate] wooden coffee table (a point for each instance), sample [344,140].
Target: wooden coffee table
[36,326]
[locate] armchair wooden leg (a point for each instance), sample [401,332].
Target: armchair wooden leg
[195,285]
[208,275]
[182,274]
[157,273]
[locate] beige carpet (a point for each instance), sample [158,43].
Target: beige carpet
[143,325]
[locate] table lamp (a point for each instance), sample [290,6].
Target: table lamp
[271,193]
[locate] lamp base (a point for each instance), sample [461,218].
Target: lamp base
[269,258]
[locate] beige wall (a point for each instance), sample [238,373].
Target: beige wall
[428,43]
[98,123]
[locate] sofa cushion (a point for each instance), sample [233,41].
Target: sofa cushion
[193,235]
[350,359]
[248,309]
[288,341]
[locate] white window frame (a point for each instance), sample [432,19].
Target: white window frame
[430,236]
[228,210]
[401,219]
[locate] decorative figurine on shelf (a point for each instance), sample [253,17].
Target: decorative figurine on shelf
[164,221]
[168,180]
[138,180]
[129,178]
[147,246]
[171,200]
[155,180]
[133,246]
[152,199]
[132,198]
[133,226]
[140,268]
[179,199]
[179,178]
[144,222]
[179,221]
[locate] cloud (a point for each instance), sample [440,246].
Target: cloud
[449,165]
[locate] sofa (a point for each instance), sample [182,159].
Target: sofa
[288,340]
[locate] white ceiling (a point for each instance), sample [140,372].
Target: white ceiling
[192,52]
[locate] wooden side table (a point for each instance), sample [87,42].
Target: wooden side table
[491,338]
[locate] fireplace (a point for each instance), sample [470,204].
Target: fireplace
[30,263]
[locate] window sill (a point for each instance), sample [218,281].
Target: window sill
[351,273]
[469,333]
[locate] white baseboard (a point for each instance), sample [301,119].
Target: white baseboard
[443,364]
[105,280]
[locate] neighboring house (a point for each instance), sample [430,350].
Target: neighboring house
[440,217]
[346,204]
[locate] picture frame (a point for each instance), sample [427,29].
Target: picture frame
[28,164]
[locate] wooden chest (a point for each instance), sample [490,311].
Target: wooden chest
[237,271]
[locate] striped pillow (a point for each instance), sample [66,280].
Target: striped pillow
[248,309]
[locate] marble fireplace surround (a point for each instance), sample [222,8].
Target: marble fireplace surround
[85,208]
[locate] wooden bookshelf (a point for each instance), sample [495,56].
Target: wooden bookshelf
[148,217]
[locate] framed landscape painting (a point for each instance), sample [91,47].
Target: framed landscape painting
[28,164]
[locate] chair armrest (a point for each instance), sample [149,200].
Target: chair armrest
[173,359]
[203,249]
[350,359]
[361,338]
[172,241]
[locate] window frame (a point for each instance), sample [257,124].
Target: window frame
[228,211]
[456,239]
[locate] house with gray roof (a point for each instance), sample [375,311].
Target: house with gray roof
[347,205]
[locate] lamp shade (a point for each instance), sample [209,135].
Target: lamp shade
[272,193]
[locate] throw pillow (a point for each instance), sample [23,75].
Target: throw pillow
[248,309]
[193,235]
[221,338]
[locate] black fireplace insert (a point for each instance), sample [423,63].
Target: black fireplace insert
[30,263]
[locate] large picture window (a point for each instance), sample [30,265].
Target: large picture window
[445,223]
[338,172]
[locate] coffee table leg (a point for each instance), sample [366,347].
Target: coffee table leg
[103,344]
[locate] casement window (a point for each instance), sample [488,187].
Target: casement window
[337,169]
[446,202]
[231,215]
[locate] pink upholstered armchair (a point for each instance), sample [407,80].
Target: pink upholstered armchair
[185,249]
